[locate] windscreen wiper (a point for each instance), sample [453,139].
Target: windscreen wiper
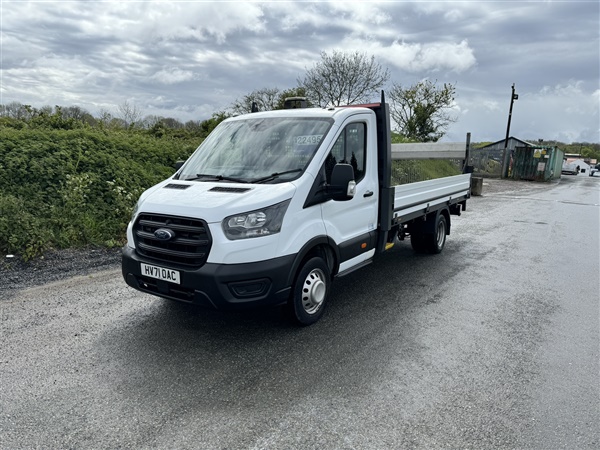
[275,175]
[210,177]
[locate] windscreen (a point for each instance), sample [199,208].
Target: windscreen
[269,150]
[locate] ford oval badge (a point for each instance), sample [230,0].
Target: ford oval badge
[164,234]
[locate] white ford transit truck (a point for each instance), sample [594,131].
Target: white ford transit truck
[274,205]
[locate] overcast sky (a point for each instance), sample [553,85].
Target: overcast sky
[189,59]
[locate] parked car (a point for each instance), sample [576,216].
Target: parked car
[594,169]
[570,168]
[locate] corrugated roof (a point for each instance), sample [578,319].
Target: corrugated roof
[526,144]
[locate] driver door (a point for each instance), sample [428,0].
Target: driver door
[352,223]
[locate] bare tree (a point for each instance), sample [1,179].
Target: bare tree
[265,99]
[422,111]
[192,125]
[107,120]
[150,120]
[74,112]
[343,78]
[172,123]
[18,111]
[105,117]
[46,110]
[129,113]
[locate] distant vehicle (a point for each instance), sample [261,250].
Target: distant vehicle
[570,168]
[594,169]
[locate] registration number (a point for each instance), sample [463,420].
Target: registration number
[160,273]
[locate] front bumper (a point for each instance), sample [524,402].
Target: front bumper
[220,286]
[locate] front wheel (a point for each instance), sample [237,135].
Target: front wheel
[310,292]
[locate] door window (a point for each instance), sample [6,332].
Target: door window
[350,148]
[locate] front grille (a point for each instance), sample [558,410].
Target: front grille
[190,246]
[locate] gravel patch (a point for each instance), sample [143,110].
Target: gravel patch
[55,265]
[496,186]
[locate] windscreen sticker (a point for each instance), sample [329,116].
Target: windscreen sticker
[311,139]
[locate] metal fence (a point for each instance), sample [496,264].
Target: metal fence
[412,170]
[415,162]
[486,162]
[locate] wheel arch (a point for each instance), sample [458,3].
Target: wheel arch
[426,223]
[321,246]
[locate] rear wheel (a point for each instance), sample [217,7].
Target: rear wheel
[432,240]
[310,292]
[437,240]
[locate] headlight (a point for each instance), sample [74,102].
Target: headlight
[262,222]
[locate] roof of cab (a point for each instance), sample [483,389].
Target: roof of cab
[330,112]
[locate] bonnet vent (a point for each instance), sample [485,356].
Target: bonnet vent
[229,189]
[177,186]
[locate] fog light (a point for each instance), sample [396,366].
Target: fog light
[252,288]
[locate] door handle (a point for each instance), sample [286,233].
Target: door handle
[368,194]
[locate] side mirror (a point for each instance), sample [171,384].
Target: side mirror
[343,186]
[178,165]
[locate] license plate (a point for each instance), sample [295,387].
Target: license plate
[160,273]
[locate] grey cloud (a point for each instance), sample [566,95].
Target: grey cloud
[188,60]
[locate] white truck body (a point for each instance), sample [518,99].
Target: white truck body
[271,233]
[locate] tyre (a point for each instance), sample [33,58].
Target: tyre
[310,292]
[435,242]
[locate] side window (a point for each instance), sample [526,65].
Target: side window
[350,148]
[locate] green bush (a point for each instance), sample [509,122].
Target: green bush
[22,231]
[62,188]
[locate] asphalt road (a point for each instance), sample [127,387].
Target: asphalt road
[492,344]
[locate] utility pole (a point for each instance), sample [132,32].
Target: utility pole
[505,153]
